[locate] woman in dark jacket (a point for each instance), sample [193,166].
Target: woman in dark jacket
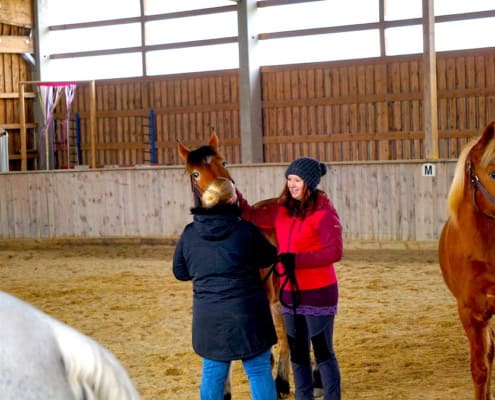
[222,255]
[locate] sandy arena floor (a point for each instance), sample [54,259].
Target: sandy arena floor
[397,333]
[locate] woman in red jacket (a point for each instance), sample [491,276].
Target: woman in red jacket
[309,237]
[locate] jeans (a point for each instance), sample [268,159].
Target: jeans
[258,370]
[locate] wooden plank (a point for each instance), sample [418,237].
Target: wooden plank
[407,189]
[406,76]
[311,112]
[396,110]
[17,12]
[461,83]
[285,152]
[423,199]
[16,44]
[345,122]
[382,112]
[303,111]
[15,95]
[319,128]
[92,122]
[278,126]
[296,121]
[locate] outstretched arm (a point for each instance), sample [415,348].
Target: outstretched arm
[261,214]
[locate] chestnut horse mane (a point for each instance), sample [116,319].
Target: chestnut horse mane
[456,192]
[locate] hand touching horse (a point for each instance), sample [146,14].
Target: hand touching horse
[467,252]
[204,164]
[42,358]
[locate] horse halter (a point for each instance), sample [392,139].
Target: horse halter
[196,191]
[477,185]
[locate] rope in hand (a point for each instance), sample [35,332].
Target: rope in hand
[286,276]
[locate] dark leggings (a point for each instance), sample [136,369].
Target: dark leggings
[301,329]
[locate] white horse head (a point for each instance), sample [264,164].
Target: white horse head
[42,358]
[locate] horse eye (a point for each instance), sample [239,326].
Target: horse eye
[195,174]
[492,174]
[224,164]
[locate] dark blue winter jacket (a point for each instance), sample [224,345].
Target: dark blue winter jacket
[222,255]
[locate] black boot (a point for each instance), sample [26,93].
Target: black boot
[303,380]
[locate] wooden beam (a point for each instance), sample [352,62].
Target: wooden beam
[15,95]
[249,84]
[22,118]
[430,107]
[18,126]
[16,12]
[92,121]
[16,44]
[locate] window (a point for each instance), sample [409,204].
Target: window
[195,35]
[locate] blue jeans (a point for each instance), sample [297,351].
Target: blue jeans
[258,370]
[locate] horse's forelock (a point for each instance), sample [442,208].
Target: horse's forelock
[201,155]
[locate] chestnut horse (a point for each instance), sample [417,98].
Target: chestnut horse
[204,164]
[467,252]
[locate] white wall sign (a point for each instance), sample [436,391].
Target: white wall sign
[428,169]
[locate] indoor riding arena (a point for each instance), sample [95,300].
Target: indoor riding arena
[94,194]
[397,335]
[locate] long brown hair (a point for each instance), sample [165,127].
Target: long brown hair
[300,208]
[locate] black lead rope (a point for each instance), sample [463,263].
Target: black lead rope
[196,192]
[287,276]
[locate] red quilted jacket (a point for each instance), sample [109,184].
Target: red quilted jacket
[316,240]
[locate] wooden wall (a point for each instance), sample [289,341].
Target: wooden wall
[372,109]
[13,69]
[186,108]
[375,200]
[360,110]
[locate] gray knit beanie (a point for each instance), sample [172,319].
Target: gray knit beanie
[308,169]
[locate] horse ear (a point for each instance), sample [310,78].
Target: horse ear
[213,141]
[488,133]
[183,151]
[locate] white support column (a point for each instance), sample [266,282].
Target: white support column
[249,84]
[40,31]
[430,112]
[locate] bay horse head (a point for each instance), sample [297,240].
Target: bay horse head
[203,164]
